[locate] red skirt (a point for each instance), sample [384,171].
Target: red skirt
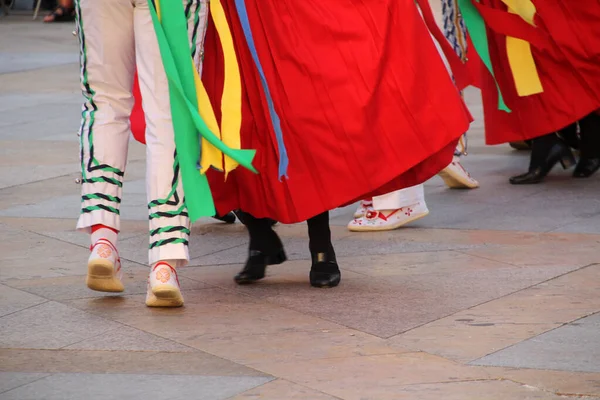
[568,66]
[365,102]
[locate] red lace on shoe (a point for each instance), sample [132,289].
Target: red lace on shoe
[378,214]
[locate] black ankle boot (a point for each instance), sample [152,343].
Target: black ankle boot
[324,271]
[589,162]
[547,152]
[256,266]
[586,167]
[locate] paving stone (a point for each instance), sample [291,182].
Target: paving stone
[568,384]
[479,390]
[489,327]
[207,314]
[295,345]
[16,62]
[371,376]
[27,255]
[50,325]
[388,305]
[124,338]
[282,389]
[131,386]
[120,362]
[12,380]
[13,300]
[572,347]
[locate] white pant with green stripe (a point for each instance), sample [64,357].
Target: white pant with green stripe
[116,37]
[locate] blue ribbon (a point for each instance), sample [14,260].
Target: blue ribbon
[240,5]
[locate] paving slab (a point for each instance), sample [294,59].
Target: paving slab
[371,376]
[13,300]
[487,328]
[13,380]
[572,347]
[50,325]
[133,386]
[388,305]
[120,362]
[282,389]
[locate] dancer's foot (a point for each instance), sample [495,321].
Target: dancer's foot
[456,176]
[363,208]
[104,268]
[256,266]
[325,271]
[163,287]
[387,220]
[548,150]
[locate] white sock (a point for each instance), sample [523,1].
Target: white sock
[105,233]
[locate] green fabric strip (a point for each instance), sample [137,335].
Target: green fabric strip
[476,27]
[174,47]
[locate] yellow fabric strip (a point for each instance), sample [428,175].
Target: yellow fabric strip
[522,65]
[520,58]
[211,156]
[231,101]
[523,8]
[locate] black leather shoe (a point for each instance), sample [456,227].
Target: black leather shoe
[324,271]
[256,266]
[586,167]
[559,152]
[228,218]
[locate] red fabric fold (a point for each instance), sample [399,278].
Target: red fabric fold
[568,66]
[366,104]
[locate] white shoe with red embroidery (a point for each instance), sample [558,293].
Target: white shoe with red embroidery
[104,268]
[457,177]
[387,220]
[163,287]
[363,207]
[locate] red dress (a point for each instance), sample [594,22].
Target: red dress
[365,102]
[568,66]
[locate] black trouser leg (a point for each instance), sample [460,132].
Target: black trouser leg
[590,136]
[319,234]
[540,148]
[590,147]
[262,236]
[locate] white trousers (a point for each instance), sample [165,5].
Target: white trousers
[116,37]
[400,198]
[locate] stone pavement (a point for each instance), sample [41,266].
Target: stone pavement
[495,295]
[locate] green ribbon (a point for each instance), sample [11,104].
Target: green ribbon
[172,36]
[476,27]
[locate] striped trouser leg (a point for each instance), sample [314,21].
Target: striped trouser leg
[169,222]
[107,66]
[456,32]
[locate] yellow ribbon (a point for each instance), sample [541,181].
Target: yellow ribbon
[520,58]
[231,100]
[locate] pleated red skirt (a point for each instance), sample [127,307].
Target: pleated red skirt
[569,69]
[365,102]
